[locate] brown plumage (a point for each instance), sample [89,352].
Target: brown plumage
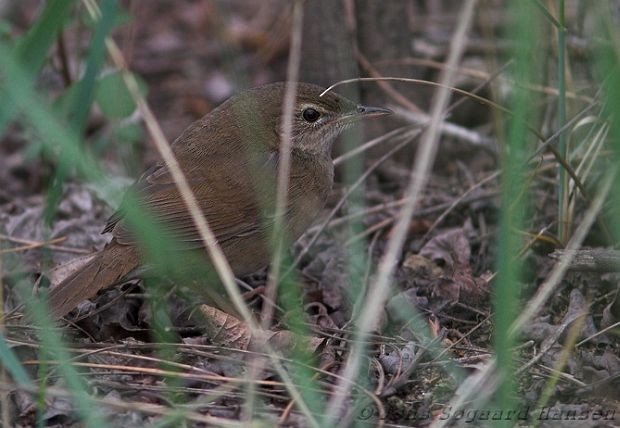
[230,159]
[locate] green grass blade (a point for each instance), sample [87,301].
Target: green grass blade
[82,101]
[86,87]
[53,347]
[607,59]
[12,364]
[512,215]
[32,49]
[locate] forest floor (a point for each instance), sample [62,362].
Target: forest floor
[445,271]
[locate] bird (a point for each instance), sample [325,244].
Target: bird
[230,159]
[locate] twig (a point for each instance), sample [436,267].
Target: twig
[475,384]
[284,163]
[598,333]
[591,260]
[64,62]
[481,74]
[153,409]
[453,130]
[284,171]
[387,88]
[400,202]
[344,197]
[547,287]
[30,245]
[409,130]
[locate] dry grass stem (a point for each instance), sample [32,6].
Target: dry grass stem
[483,383]
[215,252]
[284,163]
[422,167]
[561,267]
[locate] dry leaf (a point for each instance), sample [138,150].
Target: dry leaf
[226,330]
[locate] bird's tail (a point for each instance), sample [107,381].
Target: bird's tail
[106,268]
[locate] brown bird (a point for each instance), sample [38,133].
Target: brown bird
[230,158]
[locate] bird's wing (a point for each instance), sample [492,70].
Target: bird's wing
[231,199]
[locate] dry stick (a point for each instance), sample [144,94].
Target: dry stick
[324,370]
[32,245]
[205,376]
[284,171]
[490,78]
[547,145]
[547,287]
[418,214]
[111,350]
[551,340]
[383,84]
[289,407]
[480,74]
[592,260]
[64,60]
[421,170]
[154,371]
[565,376]
[482,100]
[462,338]
[382,138]
[374,228]
[592,153]
[153,409]
[478,98]
[450,129]
[400,202]
[215,251]
[556,134]
[284,163]
[226,388]
[52,247]
[481,384]
[372,143]
[456,202]
[194,349]
[598,333]
[344,197]
[455,130]
[475,382]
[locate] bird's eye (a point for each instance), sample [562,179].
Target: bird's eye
[310,115]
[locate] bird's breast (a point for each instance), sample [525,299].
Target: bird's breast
[311,182]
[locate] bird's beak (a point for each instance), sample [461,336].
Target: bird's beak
[362,112]
[367,111]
